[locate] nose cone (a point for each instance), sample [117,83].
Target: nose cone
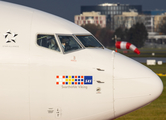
[134,85]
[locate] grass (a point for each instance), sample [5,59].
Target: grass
[157,68]
[155,110]
[145,52]
[160,53]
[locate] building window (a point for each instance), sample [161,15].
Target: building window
[113,8]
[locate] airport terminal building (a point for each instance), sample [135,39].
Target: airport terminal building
[110,10]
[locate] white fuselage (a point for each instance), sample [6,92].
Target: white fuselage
[28,73]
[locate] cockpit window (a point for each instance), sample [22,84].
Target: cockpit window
[69,43]
[48,41]
[89,41]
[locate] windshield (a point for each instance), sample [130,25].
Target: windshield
[47,41]
[89,41]
[69,43]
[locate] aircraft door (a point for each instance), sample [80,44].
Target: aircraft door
[44,65]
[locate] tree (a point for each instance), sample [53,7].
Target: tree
[137,35]
[121,33]
[104,35]
[92,28]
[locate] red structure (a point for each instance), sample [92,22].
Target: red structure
[126,45]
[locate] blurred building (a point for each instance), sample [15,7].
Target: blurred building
[154,12]
[128,19]
[90,18]
[155,40]
[154,19]
[110,10]
[149,23]
[158,21]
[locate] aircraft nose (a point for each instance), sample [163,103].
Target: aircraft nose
[134,85]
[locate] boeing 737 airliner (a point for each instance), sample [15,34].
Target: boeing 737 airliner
[52,69]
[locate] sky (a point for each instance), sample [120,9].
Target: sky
[68,8]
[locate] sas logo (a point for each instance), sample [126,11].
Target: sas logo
[74,80]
